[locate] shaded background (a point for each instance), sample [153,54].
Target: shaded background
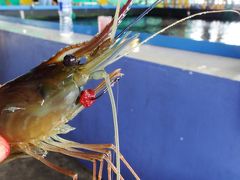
[30,168]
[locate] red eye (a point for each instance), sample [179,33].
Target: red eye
[4,149]
[87,97]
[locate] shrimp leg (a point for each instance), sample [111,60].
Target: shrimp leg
[100,148]
[81,155]
[94,169]
[100,170]
[27,149]
[109,168]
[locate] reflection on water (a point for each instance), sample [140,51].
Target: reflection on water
[213,31]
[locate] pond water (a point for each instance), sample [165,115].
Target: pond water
[214,31]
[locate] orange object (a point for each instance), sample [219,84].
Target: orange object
[26,2]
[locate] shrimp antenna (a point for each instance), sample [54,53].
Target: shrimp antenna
[115,22]
[172,25]
[115,123]
[139,17]
[114,110]
[185,19]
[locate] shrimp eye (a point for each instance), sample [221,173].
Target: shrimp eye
[70,60]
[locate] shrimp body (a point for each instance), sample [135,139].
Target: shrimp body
[36,105]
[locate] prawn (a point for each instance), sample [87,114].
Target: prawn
[36,107]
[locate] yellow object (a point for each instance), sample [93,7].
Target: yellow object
[103,2]
[186,4]
[160,5]
[26,2]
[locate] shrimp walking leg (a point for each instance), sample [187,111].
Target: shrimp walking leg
[13,157]
[80,154]
[109,168]
[100,148]
[66,172]
[94,169]
[100,170]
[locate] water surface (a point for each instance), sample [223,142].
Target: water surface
[214,31]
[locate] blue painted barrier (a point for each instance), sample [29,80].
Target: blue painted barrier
[173,125]
[14,7]
[206,47]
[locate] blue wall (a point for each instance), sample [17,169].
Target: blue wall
[174,125]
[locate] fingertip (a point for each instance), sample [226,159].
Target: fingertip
[4,149]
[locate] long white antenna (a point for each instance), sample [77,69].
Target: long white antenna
[115,22]
[115,123]
[184,19]
[172,25]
